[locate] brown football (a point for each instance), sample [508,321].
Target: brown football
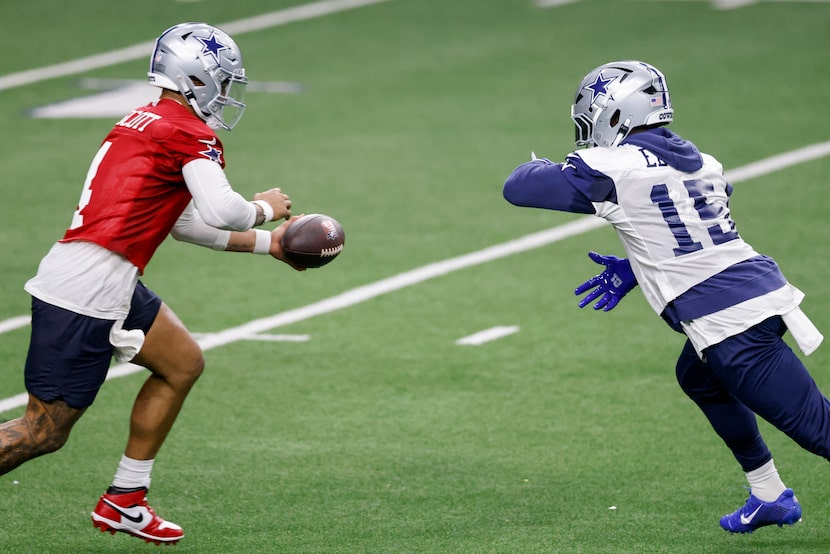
[313,240]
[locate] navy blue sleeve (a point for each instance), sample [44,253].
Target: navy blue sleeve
[568,187]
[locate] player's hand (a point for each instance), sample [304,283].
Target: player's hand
[276,244]
[609,286]
[279,202]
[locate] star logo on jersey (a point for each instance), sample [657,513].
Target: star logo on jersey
[568,164]
[211,46]
[211,153]
[599,86]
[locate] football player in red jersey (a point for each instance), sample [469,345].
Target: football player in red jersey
[158,172]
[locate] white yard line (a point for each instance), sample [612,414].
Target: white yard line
[779,161]
[438,269]
[488,335]
[554,3]
[143,50]
[280,338]
[717,4]
[14,323]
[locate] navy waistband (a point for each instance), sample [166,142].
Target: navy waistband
[737,283]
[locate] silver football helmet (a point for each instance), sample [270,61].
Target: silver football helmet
[617,97]
[205,65]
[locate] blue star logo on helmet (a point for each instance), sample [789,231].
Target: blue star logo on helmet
[211,46]
[599,86]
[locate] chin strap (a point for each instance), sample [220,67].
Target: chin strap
[622,133]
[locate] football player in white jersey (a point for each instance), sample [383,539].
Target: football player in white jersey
[669,204]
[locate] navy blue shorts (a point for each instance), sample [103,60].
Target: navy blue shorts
[70,354]
[756,372]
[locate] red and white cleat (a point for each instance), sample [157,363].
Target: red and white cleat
[130,513]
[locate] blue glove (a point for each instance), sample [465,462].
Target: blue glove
[611,285]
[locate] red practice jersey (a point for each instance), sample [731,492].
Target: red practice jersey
[134,190]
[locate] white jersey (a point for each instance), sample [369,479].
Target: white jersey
[674,226]
[669,204]
[677,231]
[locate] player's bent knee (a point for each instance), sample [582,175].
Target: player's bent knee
[170,351]
[51,442]
[196,366]
[190,365]
[49,424]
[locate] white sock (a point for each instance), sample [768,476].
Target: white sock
[765,483]
[132,474]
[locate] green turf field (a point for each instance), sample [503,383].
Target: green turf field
[380,434]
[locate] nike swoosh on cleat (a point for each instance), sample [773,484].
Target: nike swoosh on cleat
[129,515]
[746,520]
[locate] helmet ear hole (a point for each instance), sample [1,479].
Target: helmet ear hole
[196,81]
[615,119]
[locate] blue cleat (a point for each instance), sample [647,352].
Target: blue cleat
[754,514]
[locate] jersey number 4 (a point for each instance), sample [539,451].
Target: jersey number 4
[86,193]
[698,191]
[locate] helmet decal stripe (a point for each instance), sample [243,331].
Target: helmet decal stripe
[661,80]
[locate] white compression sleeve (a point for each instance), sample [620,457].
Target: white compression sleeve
[191,228]
[218,204]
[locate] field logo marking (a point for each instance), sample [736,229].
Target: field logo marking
[120,96]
